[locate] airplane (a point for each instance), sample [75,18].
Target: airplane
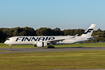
[43,41]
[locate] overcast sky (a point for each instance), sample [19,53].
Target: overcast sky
[64,14]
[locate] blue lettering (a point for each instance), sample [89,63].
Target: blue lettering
[23,39]
[41,38]
[46,38]
[49,38]
[35,38]
[28,39]
[18,38]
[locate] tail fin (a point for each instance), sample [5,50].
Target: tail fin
[89,31]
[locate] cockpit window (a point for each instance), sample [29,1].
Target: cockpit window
[8,39]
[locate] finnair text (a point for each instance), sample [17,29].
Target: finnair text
[34,38]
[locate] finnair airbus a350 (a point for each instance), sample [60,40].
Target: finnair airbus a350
[43,41]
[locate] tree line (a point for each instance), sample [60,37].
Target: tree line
[5,33]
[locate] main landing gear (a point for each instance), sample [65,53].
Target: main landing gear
[50,46]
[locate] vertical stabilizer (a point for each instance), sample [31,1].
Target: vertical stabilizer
[89,31]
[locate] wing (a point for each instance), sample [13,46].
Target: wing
[57,40]
[54,41]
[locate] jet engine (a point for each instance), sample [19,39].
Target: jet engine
[41,44]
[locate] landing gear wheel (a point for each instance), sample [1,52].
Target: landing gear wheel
[10,46]
[50,46]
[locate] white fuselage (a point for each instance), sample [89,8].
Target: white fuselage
[34,39]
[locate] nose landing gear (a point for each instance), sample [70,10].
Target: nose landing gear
[10,46]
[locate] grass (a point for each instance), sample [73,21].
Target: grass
[53,60]
[64,45]
[83,45]
[2,45]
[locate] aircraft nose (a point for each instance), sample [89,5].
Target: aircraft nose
[5,42]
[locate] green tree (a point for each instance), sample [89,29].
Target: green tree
[42,31]
[57,31]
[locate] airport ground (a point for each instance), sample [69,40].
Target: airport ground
[2,45]
[78,59]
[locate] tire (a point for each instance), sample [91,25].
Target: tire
[50,46]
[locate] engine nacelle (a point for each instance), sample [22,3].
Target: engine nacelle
[41,44]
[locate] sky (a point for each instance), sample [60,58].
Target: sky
[64,14]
